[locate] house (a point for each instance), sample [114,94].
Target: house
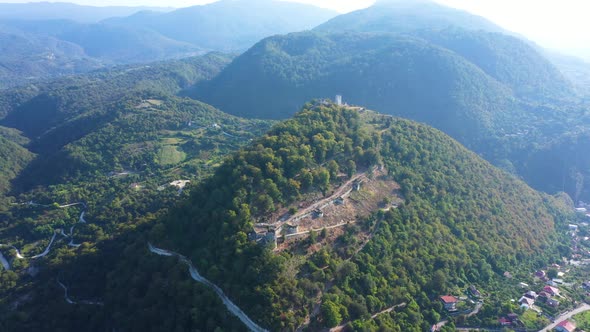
[508,275]
[270,238]
[565,326]
[339,201]
[531,295]
[586,284]
[356,186]
[543,296]
[291,229]
[449,302]
[474,291]
[318,213]
[551,290]
[523,285]
[553,303]
[526,302]
[504,321]
[552,283]
[581,210]
[513,317]
[540,274]
[572,227]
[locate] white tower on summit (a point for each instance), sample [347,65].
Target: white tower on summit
[339,100]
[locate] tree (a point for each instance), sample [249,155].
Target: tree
[323,179]
[333,168]
[552,273]
[331,314]
[350,168]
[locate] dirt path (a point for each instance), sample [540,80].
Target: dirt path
[344,189]
[388,310]
[234,309]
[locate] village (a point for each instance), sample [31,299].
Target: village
[556,295]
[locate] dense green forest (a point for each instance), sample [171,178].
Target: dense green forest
[457,226]
[113,150]
[130,201]
[13,158]
[501,108]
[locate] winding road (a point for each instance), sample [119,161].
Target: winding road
[4,262]
[234,309]
[567,315]
[47,250]
[70,301]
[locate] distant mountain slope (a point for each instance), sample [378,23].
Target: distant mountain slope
[230,24]
[26,57]
[402,16]
[107,43]
[49,48]
[13,159]
[68,11]
[38,108]
[398,75]
[508,59]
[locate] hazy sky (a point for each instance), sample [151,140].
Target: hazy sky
[558,24]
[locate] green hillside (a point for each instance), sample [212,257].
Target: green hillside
[13,158]
[396,75]
[507,59]
[459,222]
[39,108]
[461,218]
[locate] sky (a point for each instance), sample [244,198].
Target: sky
[554,24]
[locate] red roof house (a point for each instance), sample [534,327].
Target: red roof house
[449,302]
[504,321]
[565,326]
[551,290]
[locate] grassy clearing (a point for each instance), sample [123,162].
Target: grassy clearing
[169,155]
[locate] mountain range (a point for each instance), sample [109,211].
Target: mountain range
[59,45]
[228,192]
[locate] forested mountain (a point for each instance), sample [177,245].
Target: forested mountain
[494,93]
[401,16]
[122,110]
[230,24]
[67,11]
[113,149]
[509,60]
[430,244]
[60,45]
[28,57]
[25,107]
[394,74]
[13,158]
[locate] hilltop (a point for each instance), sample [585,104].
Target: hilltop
[428,218]
[494,93]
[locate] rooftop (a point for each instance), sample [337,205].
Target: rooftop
[449,299]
